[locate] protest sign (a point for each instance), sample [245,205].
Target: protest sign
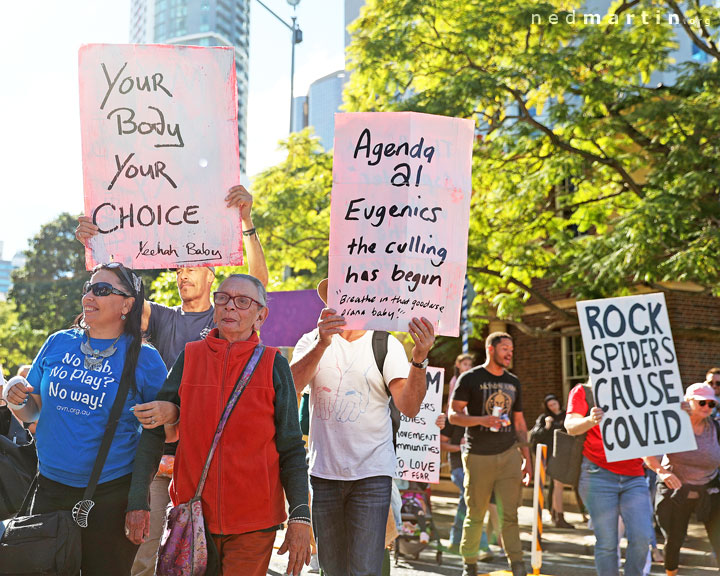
[399,219]
[635,377]
[418,439]
[160,151]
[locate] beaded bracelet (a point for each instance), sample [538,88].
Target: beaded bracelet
[305,521]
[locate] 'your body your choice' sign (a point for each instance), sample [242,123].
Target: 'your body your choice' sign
[635,377]
[160,151]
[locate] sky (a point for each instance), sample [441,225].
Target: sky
[40,142]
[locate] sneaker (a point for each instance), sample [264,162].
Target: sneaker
[469,570]
[314,567]
[518,568]
[485,555]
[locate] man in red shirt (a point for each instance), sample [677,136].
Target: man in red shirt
[610,490]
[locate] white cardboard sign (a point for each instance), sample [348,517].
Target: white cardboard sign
[418,439]
[635,377]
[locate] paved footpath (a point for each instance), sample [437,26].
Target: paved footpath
[566,552]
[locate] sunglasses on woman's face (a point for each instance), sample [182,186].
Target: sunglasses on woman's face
[710,403]
[103,289]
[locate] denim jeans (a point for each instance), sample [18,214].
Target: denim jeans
[349,519]
[458,477]
[608,496]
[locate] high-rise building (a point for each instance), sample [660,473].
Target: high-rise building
[6,268]
[300,113]
[200,23]
[324,100]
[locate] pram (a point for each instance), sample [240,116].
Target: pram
[418,527]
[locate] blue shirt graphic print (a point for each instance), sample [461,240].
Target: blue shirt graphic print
[76,405]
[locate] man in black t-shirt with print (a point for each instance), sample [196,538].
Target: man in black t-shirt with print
[487,401]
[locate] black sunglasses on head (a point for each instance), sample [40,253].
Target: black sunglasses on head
[710,403]
[103,289]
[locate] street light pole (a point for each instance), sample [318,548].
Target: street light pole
[295,38]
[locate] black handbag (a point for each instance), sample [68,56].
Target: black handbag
[566,461]
[18,465]
[50,544]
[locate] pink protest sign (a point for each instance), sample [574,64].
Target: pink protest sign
[160,151]
[399,219]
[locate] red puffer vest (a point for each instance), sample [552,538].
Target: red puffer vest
[243,492]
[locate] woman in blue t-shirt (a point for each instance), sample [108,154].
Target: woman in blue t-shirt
[70,390]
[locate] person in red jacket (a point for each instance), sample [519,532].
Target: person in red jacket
[260,459]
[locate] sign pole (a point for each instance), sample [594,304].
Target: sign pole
[538,505]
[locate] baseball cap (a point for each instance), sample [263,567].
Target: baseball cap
[700,391]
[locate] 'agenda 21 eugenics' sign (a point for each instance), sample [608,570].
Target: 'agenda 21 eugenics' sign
[635,378]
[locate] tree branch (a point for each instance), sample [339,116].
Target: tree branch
[710,50]
[549,303]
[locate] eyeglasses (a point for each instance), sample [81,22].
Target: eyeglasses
[710,403]
[103,289]
[241,302]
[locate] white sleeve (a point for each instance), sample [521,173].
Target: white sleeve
[396,362]
[304,344]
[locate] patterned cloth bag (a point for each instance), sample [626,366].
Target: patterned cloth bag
[183,547]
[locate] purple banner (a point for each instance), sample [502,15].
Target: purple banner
[292,314]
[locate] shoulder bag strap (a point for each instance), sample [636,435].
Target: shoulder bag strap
[82,508]
[237,391]
[115,413]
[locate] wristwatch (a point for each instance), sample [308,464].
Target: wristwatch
[422,365]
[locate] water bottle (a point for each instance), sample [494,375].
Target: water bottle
[497,411]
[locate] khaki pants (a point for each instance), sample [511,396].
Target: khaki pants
[501,473]
[147,554]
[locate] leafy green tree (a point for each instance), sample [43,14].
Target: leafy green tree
[588,174]
[292,213]
[18,342]
[47,290]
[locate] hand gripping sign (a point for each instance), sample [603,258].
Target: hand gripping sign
[635,377]
[160,151]
[399,219]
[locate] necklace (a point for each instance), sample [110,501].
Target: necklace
[94,357]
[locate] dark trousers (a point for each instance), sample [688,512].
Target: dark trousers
[105,549]
[673,516]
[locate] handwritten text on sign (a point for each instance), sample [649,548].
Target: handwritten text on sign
[635,377]
[399,219]
[418,439]
[160,151]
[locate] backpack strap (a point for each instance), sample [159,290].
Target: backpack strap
[380,348]
[589,397]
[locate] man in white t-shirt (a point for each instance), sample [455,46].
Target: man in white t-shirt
[352,459]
